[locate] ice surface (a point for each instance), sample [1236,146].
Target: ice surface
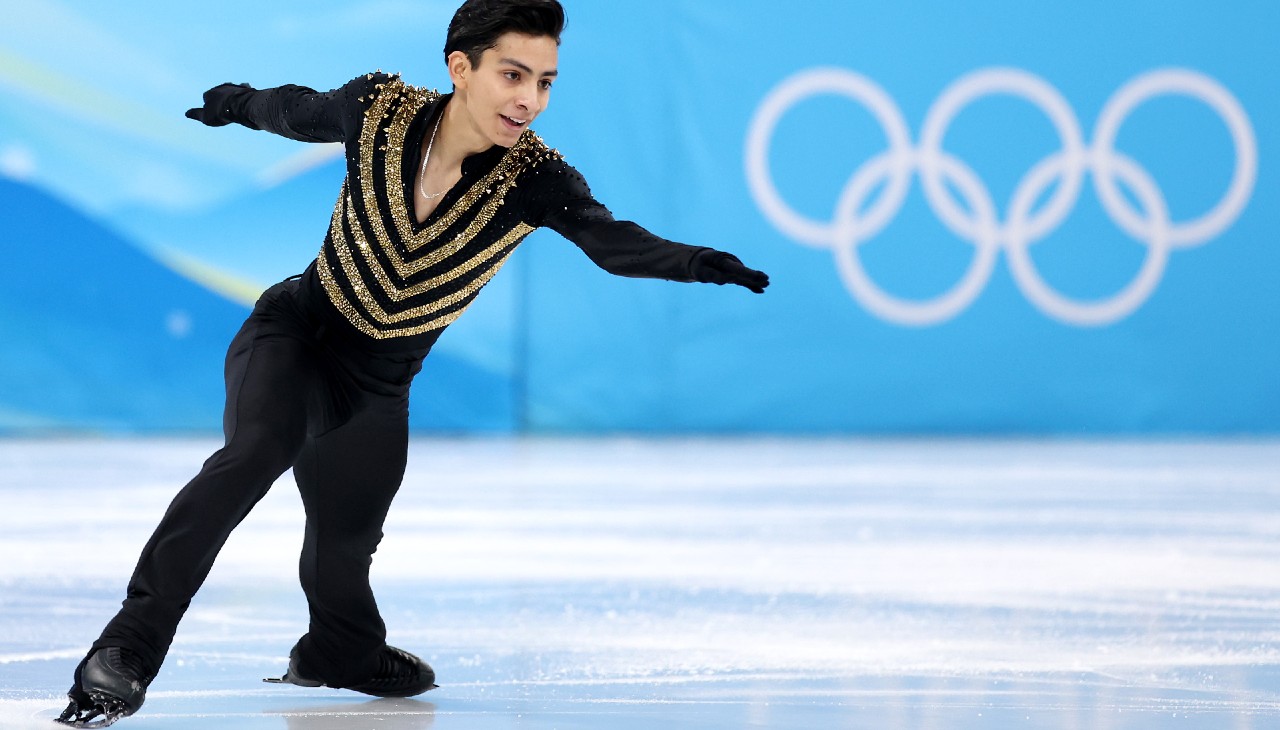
[730,583]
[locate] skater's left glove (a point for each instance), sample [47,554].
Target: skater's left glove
[718,267]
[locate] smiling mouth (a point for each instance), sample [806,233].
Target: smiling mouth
[514,123]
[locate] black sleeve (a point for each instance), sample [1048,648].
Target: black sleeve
[559,199]
[304,114]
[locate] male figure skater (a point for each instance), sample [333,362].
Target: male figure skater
[439,191]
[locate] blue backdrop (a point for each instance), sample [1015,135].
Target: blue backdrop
[994,217]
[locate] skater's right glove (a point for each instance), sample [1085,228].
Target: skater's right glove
[217,110]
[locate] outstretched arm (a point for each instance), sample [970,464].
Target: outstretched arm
[296,112]
[563,202]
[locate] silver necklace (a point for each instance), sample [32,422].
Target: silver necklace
[423,179]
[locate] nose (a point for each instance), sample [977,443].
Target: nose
[527,97]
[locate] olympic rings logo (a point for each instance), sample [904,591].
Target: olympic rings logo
[980,224]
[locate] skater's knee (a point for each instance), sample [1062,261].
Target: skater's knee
[254,453]
[348,546]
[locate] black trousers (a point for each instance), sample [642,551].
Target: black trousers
[296,397]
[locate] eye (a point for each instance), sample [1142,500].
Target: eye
[545,84]
[512,75]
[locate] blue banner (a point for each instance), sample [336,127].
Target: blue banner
[1003,217]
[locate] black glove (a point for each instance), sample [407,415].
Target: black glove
[216,111]
[718,267]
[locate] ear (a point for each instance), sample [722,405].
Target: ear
[459,69]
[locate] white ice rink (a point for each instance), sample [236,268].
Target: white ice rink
[699,584]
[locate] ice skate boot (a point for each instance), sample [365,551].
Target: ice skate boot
[399,674]
[110,684]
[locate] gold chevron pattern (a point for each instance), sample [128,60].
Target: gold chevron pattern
[373,262]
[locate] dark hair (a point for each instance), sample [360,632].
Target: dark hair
[478,24]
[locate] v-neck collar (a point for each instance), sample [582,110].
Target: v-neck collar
[473,166]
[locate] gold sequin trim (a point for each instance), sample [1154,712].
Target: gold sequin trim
[368,140]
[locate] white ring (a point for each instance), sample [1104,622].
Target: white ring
[794,90]
[1013,82]
[1103,311]
[944,306]
[1205,89]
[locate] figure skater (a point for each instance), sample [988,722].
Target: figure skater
[439,191]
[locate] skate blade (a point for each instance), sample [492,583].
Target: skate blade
[296,681]
[93,721]
[103,712]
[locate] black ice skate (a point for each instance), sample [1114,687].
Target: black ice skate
[399,674]
[110,684]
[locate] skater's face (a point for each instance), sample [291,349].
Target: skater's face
[510,86]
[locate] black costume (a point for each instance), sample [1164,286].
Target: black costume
[318,378]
